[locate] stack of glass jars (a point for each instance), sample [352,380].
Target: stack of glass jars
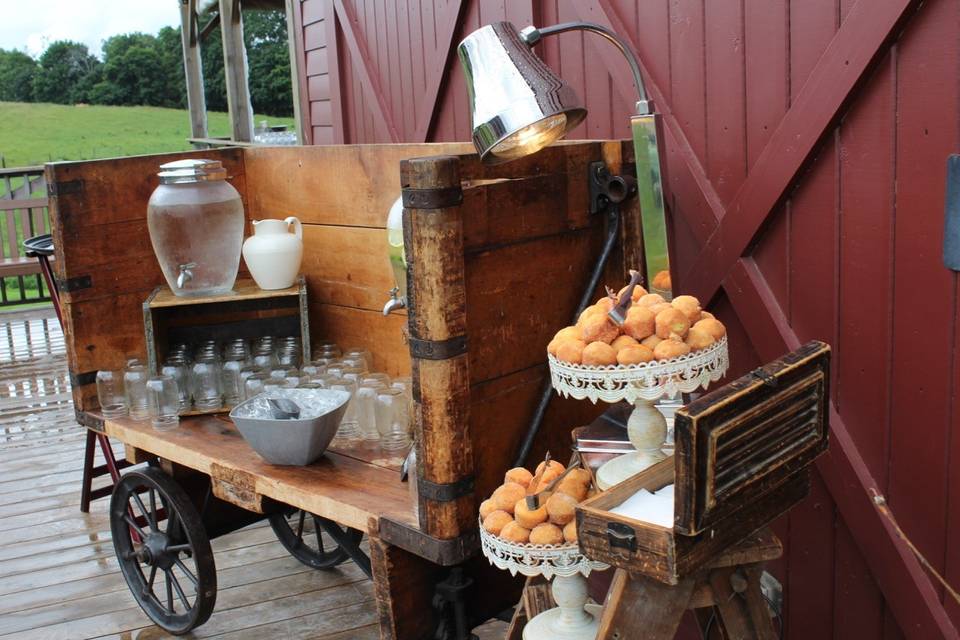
[210,375]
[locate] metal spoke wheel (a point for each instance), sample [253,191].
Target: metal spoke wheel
[299,533]
[163,550]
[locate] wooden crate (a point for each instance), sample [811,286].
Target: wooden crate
[247,312]
[742,459]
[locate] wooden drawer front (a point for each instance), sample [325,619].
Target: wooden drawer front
[736,443]
[778,430]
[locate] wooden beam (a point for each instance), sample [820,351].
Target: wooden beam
[857,44]
[361,59]
[212,24]
[906,587]
[337,103]
[235,71]
[438,72]
[193,68]
[298,78]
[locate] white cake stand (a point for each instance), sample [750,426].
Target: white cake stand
[573,619]
[641,385]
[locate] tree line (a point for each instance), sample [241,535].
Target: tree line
[144,69]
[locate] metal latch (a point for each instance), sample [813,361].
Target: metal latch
[621,536]
[764,377]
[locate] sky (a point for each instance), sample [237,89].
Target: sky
[31,25]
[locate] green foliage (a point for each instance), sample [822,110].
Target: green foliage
[138,70]
[17,71]
[62,69]
[144,69]
[32,134]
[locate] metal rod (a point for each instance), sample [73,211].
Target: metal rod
[613,229]
[610,35]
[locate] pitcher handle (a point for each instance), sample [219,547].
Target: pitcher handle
[297,227]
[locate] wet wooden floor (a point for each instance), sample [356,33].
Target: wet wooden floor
[58,573]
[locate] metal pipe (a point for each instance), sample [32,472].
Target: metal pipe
[613,229]
[532,35]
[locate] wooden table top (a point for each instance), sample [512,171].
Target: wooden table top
[353,487]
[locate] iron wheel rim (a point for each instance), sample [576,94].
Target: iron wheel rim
[170,570]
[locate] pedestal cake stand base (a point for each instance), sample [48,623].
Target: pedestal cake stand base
[548,626]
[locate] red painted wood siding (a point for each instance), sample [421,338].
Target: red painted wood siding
[315,22]
[851,254]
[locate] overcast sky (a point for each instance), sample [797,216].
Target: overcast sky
[31,25]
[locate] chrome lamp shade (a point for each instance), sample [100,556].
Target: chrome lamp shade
[517,104]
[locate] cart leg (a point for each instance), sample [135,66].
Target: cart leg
[404,586]
[639,602]
[87,481]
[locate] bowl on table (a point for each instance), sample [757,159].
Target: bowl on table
[298,441]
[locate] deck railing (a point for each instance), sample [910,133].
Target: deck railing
[23,213]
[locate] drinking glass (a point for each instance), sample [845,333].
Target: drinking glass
[360,353]
[289,352]
[326,349]
[271,384]
[113,400]
[163,402]
[392,420]
[336,369]
[253,385]
[205,385]
[176,367]
[326,381]
[383,378]
[135,388]
[349,427]
[312,369]
[231,384]
[357,374]
[366,402]
[263,352]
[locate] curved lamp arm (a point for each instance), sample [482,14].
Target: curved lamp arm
[532,35]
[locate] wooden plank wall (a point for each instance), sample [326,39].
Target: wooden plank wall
[852,255]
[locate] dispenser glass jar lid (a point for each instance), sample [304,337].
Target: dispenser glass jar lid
[192,170]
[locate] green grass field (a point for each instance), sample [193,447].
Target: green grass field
[32,134]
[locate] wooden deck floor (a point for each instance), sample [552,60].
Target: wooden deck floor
[58,573]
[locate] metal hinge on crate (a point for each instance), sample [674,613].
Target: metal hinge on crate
[74,284]
[437,349]
[445,491]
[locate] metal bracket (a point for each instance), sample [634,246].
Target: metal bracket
[74,284]
[449,601]
[82,379]
[606,188]
[438,349]
[445,491]
[89,420]
[440,198]
[763,376]
[66,187]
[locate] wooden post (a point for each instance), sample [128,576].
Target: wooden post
[436,302]
[235,71]
[292,9]
[193,68]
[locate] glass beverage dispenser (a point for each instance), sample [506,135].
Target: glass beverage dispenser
[196,222]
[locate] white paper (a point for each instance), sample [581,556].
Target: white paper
[655,508]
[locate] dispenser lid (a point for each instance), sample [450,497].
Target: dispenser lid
[191,170]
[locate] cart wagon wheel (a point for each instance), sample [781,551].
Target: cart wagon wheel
[290,528]
[177,555]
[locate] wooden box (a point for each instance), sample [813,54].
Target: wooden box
[742,459]
[247,312]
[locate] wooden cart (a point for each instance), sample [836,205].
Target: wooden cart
[498,255]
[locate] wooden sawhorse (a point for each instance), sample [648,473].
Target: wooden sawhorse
[730,582]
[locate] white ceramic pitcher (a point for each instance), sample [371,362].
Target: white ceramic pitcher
[273,253]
